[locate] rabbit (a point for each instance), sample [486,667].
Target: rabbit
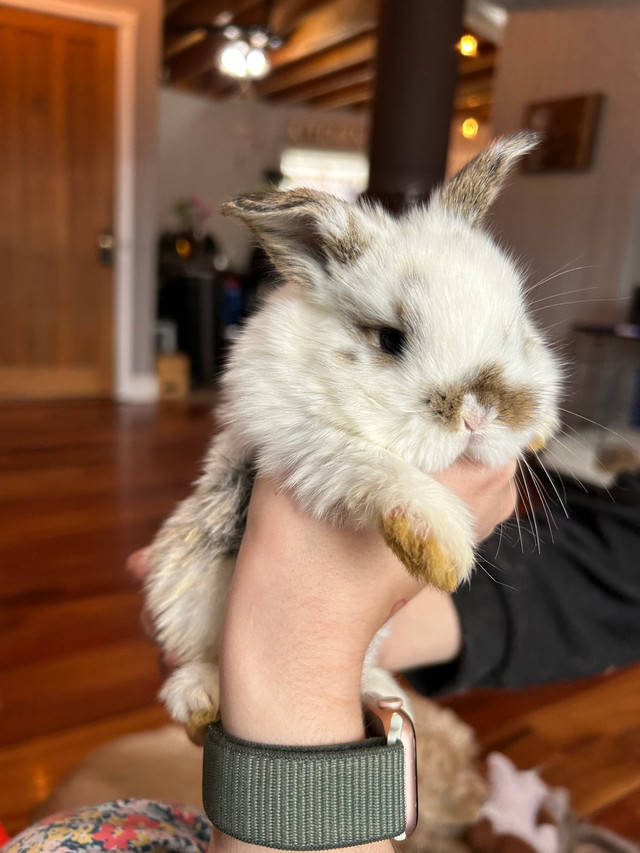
[395,346]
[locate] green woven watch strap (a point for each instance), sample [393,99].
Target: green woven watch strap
[304,798]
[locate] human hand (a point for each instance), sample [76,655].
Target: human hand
[305,602]
[489,493]
[297,572]
[427,631]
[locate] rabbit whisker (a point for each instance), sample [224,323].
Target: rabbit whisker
[479,563]
[562,271]
[561,294]
[530,509]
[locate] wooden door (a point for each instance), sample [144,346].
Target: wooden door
[56,198]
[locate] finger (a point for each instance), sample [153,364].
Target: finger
[137,564]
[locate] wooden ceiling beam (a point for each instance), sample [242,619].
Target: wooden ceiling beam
[278,85]
[327,27]
[326,85]
[176,43]
[474,88]
[194,12]
[468,103]
[481,113]
[474,64]
[192,61]
[286,15]
[352,95]
[171,6]
[333,23]
[362,93]
[328,60]
[336,59]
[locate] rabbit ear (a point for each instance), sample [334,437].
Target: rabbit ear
[473,190]
[303,231]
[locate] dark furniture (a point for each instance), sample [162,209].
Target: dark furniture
[191,295]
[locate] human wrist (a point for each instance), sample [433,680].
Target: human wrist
[286,682]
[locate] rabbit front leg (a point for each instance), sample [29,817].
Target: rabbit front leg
[547,429]
[435,545]
[424,523]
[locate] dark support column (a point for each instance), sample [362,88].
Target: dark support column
[416,74]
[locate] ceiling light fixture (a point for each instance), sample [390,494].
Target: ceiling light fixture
[245,53]
[245,56]
[470,128]
[468,45]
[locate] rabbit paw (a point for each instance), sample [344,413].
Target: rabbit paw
[423,555]
[538,444]
[192,696]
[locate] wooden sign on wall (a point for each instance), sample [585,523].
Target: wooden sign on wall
[348,136]
[568,127]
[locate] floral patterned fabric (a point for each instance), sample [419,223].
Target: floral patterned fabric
[142,826]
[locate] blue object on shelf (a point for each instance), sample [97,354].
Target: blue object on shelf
[233,301]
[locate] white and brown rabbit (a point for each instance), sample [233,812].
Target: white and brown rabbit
[396,346]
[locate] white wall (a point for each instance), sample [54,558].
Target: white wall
[217,149]
[586,219]
[145,252]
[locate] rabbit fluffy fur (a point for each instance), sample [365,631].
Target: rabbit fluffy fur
[396,346]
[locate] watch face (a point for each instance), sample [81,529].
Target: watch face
[385,717]
[408,737]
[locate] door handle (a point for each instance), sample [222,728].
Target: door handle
[105,248]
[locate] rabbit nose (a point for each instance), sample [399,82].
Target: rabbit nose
[475,421]
[475,416]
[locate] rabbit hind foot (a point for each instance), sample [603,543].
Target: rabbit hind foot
[192,696]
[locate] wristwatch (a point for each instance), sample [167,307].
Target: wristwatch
[319,797]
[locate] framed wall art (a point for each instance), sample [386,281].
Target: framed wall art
[569,127]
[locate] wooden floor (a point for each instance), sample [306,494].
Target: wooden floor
[84,484]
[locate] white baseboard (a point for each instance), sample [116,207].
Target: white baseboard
[139,388]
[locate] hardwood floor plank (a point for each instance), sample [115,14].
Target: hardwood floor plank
[598,773]
[480,707]
[611,706]
[31,770]
[82,485]
[623,814]
[36,632]
[88,685]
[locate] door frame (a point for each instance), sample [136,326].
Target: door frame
[127,384]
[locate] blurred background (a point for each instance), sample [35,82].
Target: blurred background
[121,139]
[123,127]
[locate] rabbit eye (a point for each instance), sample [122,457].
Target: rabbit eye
[392,341]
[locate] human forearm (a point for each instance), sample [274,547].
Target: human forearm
[302,610]
[304,605]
